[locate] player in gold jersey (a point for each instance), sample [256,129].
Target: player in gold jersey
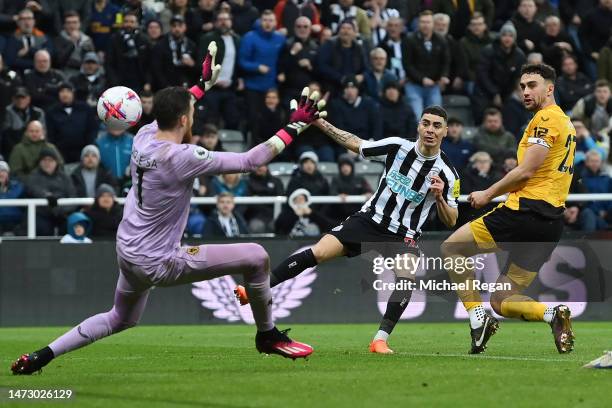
[529,224]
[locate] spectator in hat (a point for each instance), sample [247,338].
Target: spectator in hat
[175,58]
[78,227]
[71,45]
[458,150]
[301,219]
[357,114]
[90,82]
[224,221]
[25,42]
[344,184]
[71,124]
[43,81]
[10,217]
[342,57]
[378,75]
[24,157]
[49,181]
[89,174]
[115,152]
[16,117]
[105,213]
[154,33]
[397,116]
[173,8]
[308,176]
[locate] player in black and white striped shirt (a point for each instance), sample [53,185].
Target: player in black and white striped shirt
[417,176]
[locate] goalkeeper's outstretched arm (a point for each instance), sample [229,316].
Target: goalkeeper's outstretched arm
[342,137]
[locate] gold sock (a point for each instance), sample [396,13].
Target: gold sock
[523,307]
[470,298]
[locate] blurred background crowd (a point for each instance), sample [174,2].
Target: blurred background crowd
[379,62]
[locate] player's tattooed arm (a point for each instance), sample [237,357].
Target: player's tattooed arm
[342,137]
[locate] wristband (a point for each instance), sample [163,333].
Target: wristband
[197,92]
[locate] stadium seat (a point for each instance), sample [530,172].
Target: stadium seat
[282,170]
[232,146]
[230,135]
[370,170]
[469,132]
[459,106]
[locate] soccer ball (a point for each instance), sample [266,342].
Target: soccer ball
[119,108]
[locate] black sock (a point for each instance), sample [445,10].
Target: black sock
[292,267]
[44,355]
[397,303]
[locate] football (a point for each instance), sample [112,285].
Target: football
[119,108]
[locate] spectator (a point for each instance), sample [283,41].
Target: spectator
[571,85]
[395,45]
[297,60]
[154,33]
[105,213]
[498,71]
[458,64]
[478,176]
[210,139]
[341,57]
[105,17]
[262,184]
[300,219]
[594,33]
[597,182]
[115,152]
[289,11]
[10,217]
[343,10]
[9,13]
[49,181]
[16,117]
[356,114]
[71,45]
[25,42]
[344,184]
[585,143]
[397,116]
[430,65]
[556,43]
[220,102]
[491,137]
[78,227]
[515,115]
[529,32]
[71,124]
[82,8]
[90,83]
[535,58]
[308,176]
[476,38]
[271,117]
[380,15]
[43,81]
[89,175]
[258,57]
[376,77]
[24,157]
[143,13]
[595,110]
[464,11]
[224,221]
[230,183]
[173,9]
[146,100]
[201,20]
[243,15]
[9,81]
[175,58]
[126,58]
[458,150]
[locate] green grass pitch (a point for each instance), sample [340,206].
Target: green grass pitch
[217,366]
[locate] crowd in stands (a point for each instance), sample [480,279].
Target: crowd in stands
[379,63]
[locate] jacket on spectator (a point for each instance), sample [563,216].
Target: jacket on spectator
[528,31]
[15,44]
[311,225]
[243,17]
[569,91]
[433,65]
[349,185]
[335,14]
[260,48]
[498,70]
[215,35]
[597,183]
[398,119]
[71,132]
[11,215]
[361,118]
[287,12]
[585,108]
[460,17]
[315,183]
[595,29]
[496,144]
[43,86]
[552,54]
[266,186]
[214,229]
[104,222]
[239,190]
[14,125]
[297,77]
[103,176]
[88,88]
[9,80]
[374,86]
[115,153]
[604,62]
[68,55]
[24,157]
[335,62]
[459,152]
[102,24]
[127,60]
[42,185]
[472,46]
[167,69]
[471,181]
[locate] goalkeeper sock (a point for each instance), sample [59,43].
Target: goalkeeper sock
[292,267]
[477,316]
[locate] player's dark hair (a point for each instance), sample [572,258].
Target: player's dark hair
[545,71]
[169,105]
[436,110]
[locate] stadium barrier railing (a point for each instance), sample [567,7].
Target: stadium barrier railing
[276,201]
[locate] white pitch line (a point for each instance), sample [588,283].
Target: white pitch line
[481,357]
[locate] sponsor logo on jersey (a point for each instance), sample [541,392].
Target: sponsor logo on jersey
[193,250]
[401,184]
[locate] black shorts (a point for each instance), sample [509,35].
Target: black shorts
[359,234]
[529,237]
